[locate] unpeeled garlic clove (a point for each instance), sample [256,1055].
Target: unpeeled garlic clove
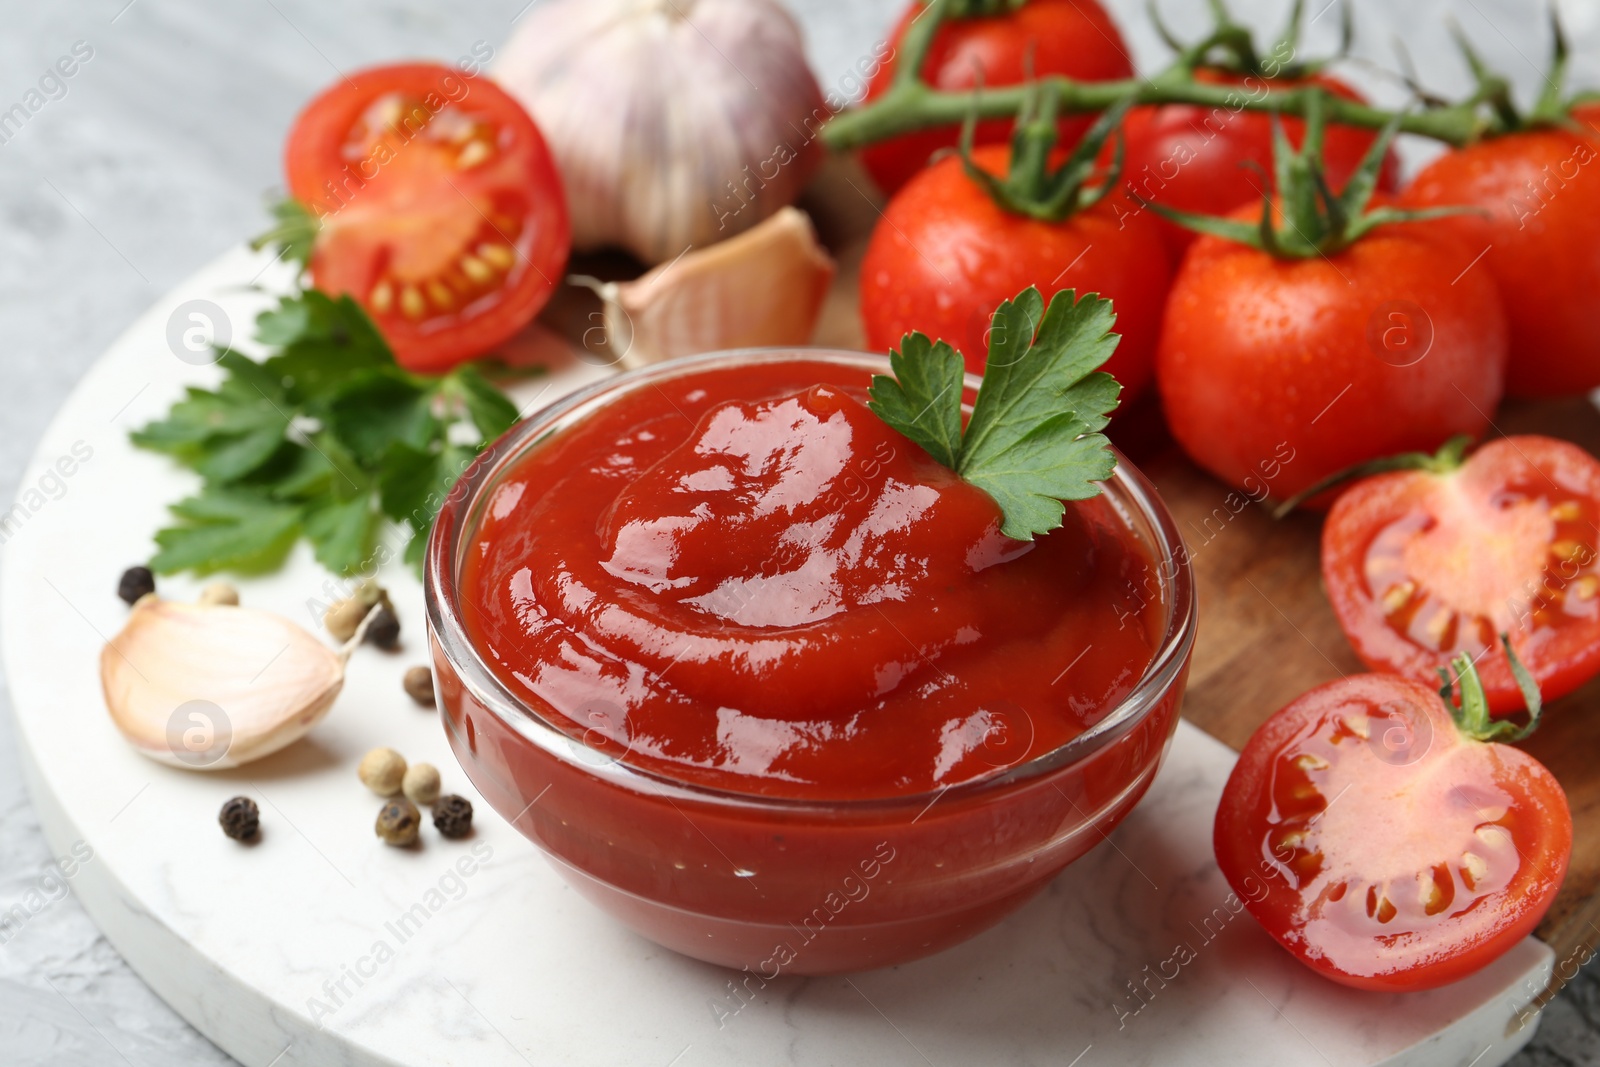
[213,686]
[763,287]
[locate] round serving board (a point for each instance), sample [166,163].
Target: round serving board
[319,945]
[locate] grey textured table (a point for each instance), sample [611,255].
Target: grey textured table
[155,159]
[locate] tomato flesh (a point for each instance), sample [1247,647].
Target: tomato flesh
[1383,848]
[1421,567]
[440,208]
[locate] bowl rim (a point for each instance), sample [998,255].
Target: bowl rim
[449,635]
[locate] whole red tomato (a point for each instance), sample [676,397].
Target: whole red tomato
[440,208]
[1198,159]
[1588,114]
[1276,373]
[1422,565]
[945,255]
[1538,231]
[1073,38]
[1385,846]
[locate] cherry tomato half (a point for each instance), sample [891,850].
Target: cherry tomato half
[1382,847]
[1421,566]
[1074,38]
[441,210]
[945,255]
[1536,229]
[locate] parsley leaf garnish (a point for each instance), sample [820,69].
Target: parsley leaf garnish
[1032,441]
[324,439]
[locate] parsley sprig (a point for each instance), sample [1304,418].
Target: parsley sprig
[1033,439]
[324,439]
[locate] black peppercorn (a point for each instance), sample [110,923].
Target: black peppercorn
[136,582]
[452,816]
[240,818]
[384,629]
[398,822]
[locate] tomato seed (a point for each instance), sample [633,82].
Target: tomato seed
[1568,551]
[1398,597]
[411,303]
[476,269]
[1567,511]
[499,256]
[476,152]
[1473,868]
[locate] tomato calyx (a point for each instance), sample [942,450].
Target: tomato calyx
[1451,455]
[977,9]
[1551,110]
[1307,219]
[1031,187]
[1471,713]
[1230,47]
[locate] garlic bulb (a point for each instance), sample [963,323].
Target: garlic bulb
[675,122]
[763,287]
[212,686]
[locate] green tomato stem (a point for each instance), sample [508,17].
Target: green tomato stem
[916,42]
[912,105]
[1450,457]
[1471,715]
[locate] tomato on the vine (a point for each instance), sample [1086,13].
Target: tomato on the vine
[1317,364]
[945,255]
[1073,38]
[1213,161]
[1536,227]
[439,207]
[1423,564]
[1386,839]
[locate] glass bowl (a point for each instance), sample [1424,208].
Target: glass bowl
[775,885]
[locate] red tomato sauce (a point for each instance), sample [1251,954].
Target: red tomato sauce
[742,578]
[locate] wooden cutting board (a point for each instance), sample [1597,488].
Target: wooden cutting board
[1267,633]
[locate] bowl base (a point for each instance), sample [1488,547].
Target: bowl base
[803,947]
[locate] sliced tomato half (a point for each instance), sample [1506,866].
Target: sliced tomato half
[1420,566]
[1381,844]
[440,206]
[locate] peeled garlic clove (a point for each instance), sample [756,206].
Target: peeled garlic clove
[763,287]
[673,122]
[212,686]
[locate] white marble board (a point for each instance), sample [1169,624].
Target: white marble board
[290,953]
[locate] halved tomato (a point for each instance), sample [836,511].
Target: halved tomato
[1422,565]
[1371,830]
[440,207]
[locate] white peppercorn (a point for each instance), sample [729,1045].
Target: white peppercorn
[382,770]
[421,783]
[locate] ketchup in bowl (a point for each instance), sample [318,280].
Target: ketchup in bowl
[767,682]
